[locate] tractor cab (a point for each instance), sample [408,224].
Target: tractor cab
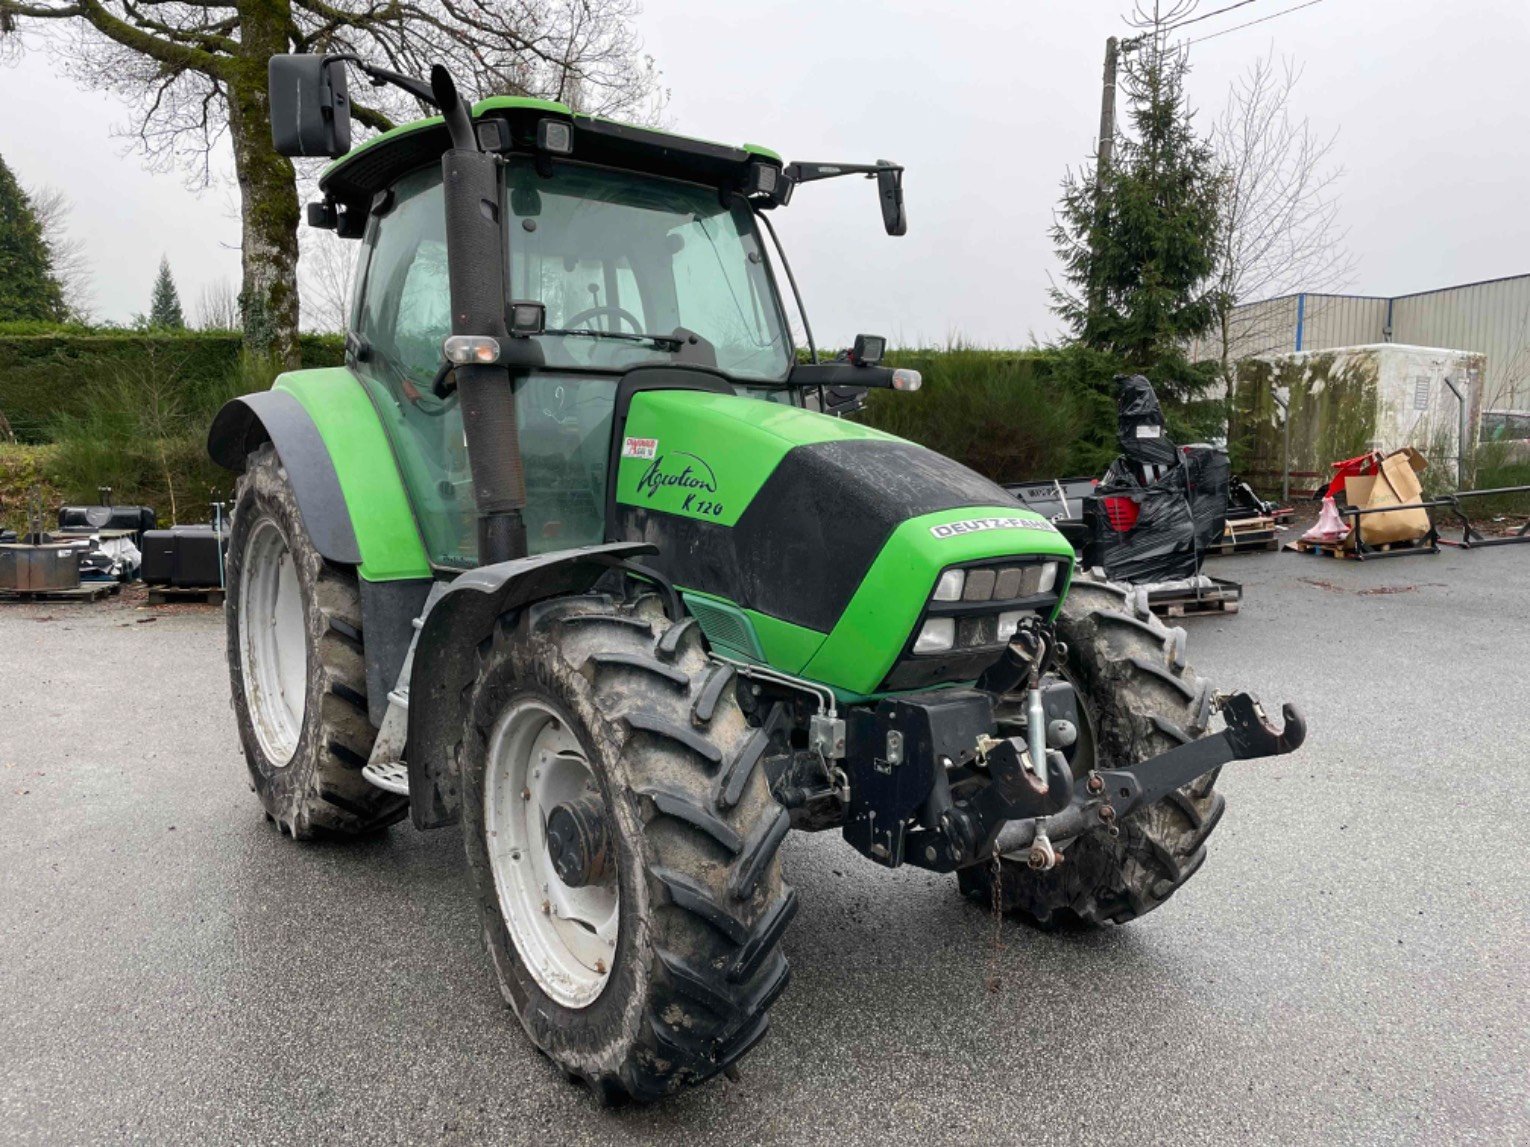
[637,249]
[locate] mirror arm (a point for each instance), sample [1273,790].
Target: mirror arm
[809,172]
[419,89]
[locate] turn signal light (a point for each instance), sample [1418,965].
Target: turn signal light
[905,379]
[467,350]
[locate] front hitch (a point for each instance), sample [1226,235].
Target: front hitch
[1105,796]
[1248,735]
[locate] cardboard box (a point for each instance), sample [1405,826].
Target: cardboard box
[1396,484]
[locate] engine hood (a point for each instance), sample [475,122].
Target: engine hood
[784,513]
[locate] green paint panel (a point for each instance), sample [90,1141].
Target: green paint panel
[705,456]
[369,478]
[876,624]
[750,635]
[787,647]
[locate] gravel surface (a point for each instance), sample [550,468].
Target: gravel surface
[1352,964]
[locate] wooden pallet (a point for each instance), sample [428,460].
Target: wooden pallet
[1338,550]
[1221,597]
[1246,536]
[87,591]
[185,595]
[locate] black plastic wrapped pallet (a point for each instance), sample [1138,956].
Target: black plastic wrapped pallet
[1140,428]
[1160,545]
[1208,474]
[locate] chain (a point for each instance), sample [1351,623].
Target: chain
[994,982]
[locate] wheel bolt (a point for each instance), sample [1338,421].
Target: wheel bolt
[525,794]
[600,967]
[546,908]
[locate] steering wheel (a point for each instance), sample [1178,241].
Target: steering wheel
[575,322]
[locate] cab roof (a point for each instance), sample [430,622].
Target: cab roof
[360,174]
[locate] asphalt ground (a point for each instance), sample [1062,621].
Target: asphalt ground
[1352,964]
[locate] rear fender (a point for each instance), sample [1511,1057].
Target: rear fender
[332,443]
[446,659]
[274,416]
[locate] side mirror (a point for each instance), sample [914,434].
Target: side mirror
[310,110]
[890,192]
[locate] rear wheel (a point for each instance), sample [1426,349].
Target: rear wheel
[623,844]
[297,667]
[1140,699]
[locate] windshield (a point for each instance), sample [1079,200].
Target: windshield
[615,256]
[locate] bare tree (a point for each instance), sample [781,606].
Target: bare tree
[324,280]
[71,266]
[1280,216]
[218,307]
[195,69]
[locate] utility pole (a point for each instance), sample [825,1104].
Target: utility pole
[1107,115]
[1102,157]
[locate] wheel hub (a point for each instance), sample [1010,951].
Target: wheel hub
[578,842]
[549,841]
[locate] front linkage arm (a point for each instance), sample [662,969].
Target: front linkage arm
[1107,795]
[1248,735]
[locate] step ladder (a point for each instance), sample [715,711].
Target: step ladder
[385,768]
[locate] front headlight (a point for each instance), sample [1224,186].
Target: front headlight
[949,587]
[937,636]
[1009,623]
[1048,577]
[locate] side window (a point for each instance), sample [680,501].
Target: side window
[565,420]
[404,313]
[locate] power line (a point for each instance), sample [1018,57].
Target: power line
[1209,15]
[1251,23]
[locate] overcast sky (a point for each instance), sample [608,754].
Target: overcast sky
[986,103]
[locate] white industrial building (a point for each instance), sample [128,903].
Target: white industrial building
[1491,318]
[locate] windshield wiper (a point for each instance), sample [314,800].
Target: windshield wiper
[670,342]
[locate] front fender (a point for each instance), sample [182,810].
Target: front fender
[446,659]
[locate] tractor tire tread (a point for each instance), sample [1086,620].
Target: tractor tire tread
[1143,700]
[711,874]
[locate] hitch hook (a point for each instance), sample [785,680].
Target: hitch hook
[1250,733]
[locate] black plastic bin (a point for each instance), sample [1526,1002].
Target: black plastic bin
[186,557]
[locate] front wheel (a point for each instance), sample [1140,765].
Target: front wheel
[623,845]
[1139,699]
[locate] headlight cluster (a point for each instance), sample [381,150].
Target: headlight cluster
[996,583]
[975,587]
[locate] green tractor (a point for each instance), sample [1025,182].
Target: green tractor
[575,553]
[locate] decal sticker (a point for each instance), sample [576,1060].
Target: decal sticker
[977,525]
[1149,431]
[640,447]
[689,476]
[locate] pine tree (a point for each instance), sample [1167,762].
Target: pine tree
[1139,246]
[28,287]
[165,307]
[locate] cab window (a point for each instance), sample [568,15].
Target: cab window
[403,313]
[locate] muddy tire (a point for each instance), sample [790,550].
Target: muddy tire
[695,959]
[1142,699]
[297,667]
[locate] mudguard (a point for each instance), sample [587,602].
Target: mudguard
[275,416]
[446,658]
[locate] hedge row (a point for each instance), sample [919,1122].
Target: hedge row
[45,370]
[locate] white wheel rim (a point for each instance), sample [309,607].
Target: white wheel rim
[566,936]
[273,642]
